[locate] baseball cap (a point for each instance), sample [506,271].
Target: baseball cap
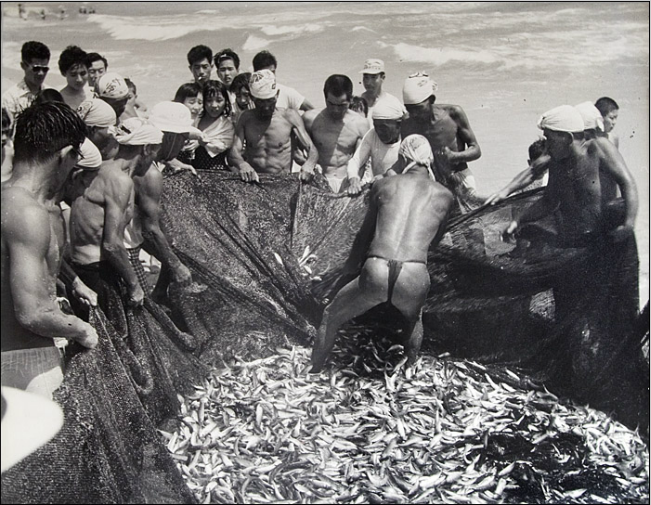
[372,66]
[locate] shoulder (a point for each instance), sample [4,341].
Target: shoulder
[114,177]
[357,121]
[454,111]
[23,216]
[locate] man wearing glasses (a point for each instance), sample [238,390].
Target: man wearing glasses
[336,131]
[35,59]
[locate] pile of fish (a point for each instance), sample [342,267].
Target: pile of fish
[368,430]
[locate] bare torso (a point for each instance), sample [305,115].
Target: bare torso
[268,142]
[441,131]
[89,194]
[335,141]
[411,211]
[17,203]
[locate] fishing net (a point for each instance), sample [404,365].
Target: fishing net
[266,258]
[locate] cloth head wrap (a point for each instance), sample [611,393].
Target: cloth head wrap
[592,118]
[111,85]
[417,88]
[416,149]
[136,131]
[172,117]
[91,158]
[564,118]
[96,112]
[263,84]
[388,108]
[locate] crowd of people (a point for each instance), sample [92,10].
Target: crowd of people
[83,169]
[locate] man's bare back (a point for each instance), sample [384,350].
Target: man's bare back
[410,213]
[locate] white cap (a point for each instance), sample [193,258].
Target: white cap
[28,422]
[372,66]
[136,131]
[592,118]
[172,117]
[417,88]
[112,85]
[388,107]
[90,158]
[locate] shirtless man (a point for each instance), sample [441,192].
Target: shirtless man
[407,213]
[448,131]
[267,132]
[336,131]
[173,119]
[101,197]
[100,119]
[576,192]
[33,236]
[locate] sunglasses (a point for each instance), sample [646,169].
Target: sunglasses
[38,68]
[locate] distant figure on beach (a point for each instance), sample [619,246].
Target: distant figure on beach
[380,144]
[62,12]
[372,78]
[576,192]
[610,112]
[200,64]
[336,130]
[33,237]
[97,67]
[21,12]
[35,60]
[227,63]
[406,214]
[72,65]
[42,13]
[263,136]
[112,88]
[448,131]
[288,98]
[100,120]
[242,92]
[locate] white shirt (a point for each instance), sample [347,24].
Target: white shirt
[17,98]
[289,98]
[383,156]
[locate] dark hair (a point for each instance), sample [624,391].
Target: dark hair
[359,104]
[337,85]
[187,90]
[241,81]
[198,53]
[227,54]
[130,85]
[93,57]
[49,95]
[42,129]
[537,149]
[264,59]
[72,56]
[211,90]
[606,105]
[6,120]
[34,50]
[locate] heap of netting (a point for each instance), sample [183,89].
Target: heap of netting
[266,258]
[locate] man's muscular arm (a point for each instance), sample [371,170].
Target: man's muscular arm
[156,243]
[298,127]
[236,155]
[118,195]
[465,133]
[26,230]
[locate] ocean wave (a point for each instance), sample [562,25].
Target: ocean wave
[272,30]
[441,56]
[254,44]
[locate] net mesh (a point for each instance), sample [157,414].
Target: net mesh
[266,258]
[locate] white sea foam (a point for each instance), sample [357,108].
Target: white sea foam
[272,30]
[254,44]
